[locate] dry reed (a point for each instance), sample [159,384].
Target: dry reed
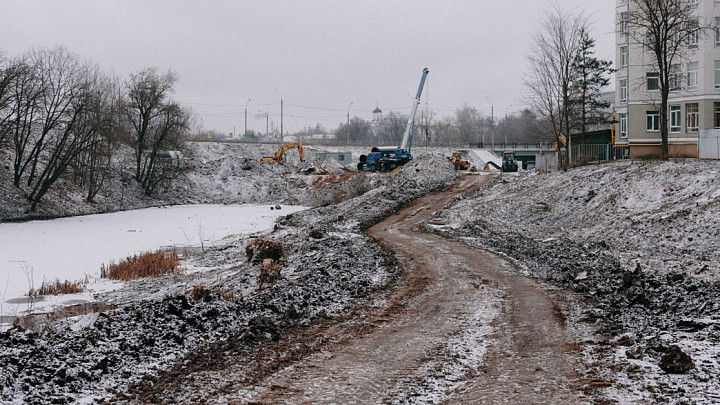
[58,287]
[146,265]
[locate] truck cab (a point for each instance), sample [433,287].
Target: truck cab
[509,162]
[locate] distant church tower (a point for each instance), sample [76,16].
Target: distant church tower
[377,114]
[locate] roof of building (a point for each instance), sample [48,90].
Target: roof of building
[377,110]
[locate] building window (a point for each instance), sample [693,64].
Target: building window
[716,115]
[717,30]
[692,2]
[652,121]
[693,34]
[693,116]
[624,56]
[624,23]
[675,117]
[653,81]
[623,125]
[692,75]
[675,77]
[623,90]
[717,74]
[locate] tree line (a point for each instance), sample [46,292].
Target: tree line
[63,118]
[466,126]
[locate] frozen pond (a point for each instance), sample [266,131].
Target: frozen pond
[76,247]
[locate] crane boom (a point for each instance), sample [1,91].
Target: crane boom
[406,141]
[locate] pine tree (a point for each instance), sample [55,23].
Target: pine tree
[590,76]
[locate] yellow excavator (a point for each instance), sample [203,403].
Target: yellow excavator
[458,162]
[280,154]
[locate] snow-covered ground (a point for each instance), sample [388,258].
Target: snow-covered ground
[75,248]
[639,241]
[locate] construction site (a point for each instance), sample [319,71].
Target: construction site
[416,284]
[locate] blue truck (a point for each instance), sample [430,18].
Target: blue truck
[386,159]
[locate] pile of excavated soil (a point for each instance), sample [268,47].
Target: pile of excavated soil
[637,240]
[165,325]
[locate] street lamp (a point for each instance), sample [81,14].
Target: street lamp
[246,104]
[506,123]
[281,114]
[492,123]
[348,123]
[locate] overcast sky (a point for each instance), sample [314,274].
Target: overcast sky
[321,55]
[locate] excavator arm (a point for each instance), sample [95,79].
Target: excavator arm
[279,156]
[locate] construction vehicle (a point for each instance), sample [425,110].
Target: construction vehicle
[509,163]
[386,159]
[279,156]
[458,162]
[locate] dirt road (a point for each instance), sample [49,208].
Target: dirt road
[469,331]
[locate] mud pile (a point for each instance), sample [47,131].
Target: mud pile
[167,325]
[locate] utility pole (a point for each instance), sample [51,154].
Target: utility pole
[281,114]
[506,123]
[245,133]
[348,123]
[492,123]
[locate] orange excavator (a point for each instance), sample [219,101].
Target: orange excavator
[279,156]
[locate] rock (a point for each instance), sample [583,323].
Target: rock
[625,341]
[675,361]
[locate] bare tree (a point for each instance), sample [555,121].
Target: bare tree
[669,29]
[25,98]
[469,123]
[76,110]
[156,123]
[7,76]
[95,164]
[551,70]
[392,129]
[359,131]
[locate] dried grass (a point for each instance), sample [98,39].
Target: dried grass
[261,249]
[146,265]
[269,273]
[58,287]
[202,292]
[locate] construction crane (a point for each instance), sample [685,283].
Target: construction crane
[386,159]
[279,156]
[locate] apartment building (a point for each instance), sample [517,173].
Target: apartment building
[694,104]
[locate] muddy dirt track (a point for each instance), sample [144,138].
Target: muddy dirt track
[453,293]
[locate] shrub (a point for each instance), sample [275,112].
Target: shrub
[146,265]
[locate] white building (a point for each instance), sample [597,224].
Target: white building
[694,104]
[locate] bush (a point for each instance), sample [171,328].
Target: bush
[145,265]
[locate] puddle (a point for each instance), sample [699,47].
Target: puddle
[32,320]
[25,300]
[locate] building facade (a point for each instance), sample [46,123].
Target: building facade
[694,103]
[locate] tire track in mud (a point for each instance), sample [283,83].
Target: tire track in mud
[526,351]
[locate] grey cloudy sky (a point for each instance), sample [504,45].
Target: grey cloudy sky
[321,55]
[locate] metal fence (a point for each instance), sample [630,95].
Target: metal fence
[590,153]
